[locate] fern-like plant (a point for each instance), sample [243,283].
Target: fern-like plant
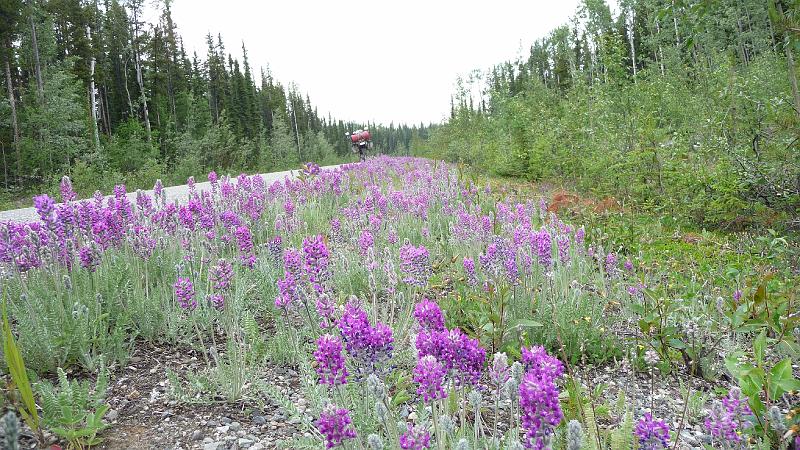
[74,410]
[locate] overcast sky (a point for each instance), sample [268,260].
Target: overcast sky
[372,60]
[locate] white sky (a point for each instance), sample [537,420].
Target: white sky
[372,60]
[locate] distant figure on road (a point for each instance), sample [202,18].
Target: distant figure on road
[361,141]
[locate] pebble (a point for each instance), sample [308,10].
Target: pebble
[213,446]
[225,420]
[259,420]
[112,415]
[244,443]
[197,435]
[235,426]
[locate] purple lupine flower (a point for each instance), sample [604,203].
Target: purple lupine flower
[212,178]
[288,207]
[184,292]
[217,300]
[365,242]
[292,261]
[727,419]
[326,308]
[500,370]
[537,361]
[415,264]
[469,271]
[67,194]
[415,438]
[246,250]
[737,295]
[287,291]
[429,315]
[221,275]
[89,258]
[392,236]
[544,247]
[330,361]
[651,434]
[158,191]
[580,235]
[335,424]
[45,207]
[462,357]
[336,230]
[540,411]
[611,264]
[371,347]
[275,247]
[628,265]
[429,374]
[563,244]
[315,261]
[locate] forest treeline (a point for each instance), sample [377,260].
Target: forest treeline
[92,90]
[689,108]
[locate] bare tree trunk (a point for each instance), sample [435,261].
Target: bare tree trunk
[790,61]
[13,103]
[630,40]
[296,133]
[127,91]
[93,106]
[660,50]
[139,78]
[37,63]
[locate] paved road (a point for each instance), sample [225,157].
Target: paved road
[180,193]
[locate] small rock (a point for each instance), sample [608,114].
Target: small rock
[223,429]
[244,443]
[213,446]
[197,435]
[112,415]
[235,426]
[259,420]
[257,446]
[225,420]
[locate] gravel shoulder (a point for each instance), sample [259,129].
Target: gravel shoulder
[173,193]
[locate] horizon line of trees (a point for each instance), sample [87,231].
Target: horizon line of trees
[92,90]
[689,108]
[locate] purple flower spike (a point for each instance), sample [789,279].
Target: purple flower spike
[429,315]
[334,424]
[727,419]
[652,434]
[430,373]
[539,410]
[330,361]
[415,438]
[184,292]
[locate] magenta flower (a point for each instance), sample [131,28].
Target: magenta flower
[335,425]
[415,438]
[469,271]
[415,264]
[246,250]
[365,242]
[315,261]
[727,419]
[540,411]
[536,360]
[67,194]
[221,275]
[652,434]
[184,292]
[429,374]
[89,258]
[429,316]
[330,361]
